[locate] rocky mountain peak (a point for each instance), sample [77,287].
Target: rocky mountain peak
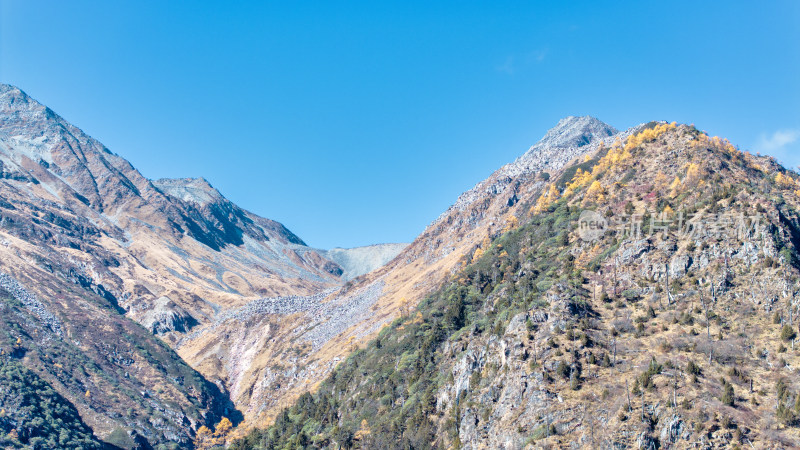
[10,94]
[18,110]
[574,131]
[195,190]
[572,137]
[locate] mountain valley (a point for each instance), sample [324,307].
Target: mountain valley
[607,289]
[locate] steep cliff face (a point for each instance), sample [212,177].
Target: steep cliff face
[664,317]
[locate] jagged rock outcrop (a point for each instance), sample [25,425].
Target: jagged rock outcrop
[165,316]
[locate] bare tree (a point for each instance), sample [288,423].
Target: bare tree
[708,322]
[628,391]
[669,292]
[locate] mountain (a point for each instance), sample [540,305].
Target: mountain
[362,260]
[570,132]
[128,296]
[643,294]
[605,289]
[476,215]
[273,360]
[240,298]
[66,168]
[96,259]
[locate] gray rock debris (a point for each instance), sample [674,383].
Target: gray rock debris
[360,260]
[31,303]
[166,316]
[325,317]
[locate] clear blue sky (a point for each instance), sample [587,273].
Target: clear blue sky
[360,122]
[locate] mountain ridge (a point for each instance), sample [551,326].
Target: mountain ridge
[98,236]
[672,335]
[384,293]
[424,264]
[265,319]
[171,255]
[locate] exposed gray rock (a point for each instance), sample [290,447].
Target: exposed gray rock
[31,303]
[679,265]
[673,430]
[574,131]
[195,190]
[361,260]
[569,139]
[327,315]
[165,316]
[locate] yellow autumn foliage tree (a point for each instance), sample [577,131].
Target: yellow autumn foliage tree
[202,437]
[205,438]
[477,255]
[692,174]
[223,427]
[404,307]
[595,193]
[648,135]
[703,140]
[580,179]
[546,199]
[661,180]
[481,249]
[362,432]
[511,223]
[784,181]
[615,157]
[675,187]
